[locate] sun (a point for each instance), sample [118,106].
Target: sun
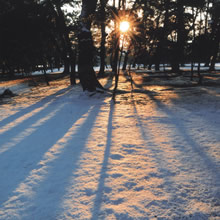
[124,26]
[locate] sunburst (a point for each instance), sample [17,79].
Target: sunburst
[124,26]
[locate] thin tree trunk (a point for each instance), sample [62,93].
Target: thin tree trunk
[69,60]
[117,73]
[73,67]
[193,43]
[199,74]
[102,52]
[45,74]
[103,38]
[119,4]
[206,17]
[66,65]
[192,71]
[60,23]
[115,58]
[125,60]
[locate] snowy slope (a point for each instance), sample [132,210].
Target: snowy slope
[155,154]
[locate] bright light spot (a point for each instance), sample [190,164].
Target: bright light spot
[124,26]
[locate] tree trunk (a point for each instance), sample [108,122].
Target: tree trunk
[102,52]
[115,51]
[87,75]
[69,56]
[125,60]
[175,66]
[157,65]
[66,65]
[115,58]
[103,38]
[216,40]
[199,74]
[215,53]
[179,47]
[45,74]
[73,66]
[192,70]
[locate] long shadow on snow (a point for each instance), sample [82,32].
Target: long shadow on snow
[20,131]
[100,189]
[153,96]
[201,92]
[166,173]
[29,109]
[181,129]
[211,167]
[64,166]
[24,157]
[187,137]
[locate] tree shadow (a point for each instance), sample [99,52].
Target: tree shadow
[172,119]
[109,81]
[48,99]
[103,173]
[24,156]
[26,121]
[65,165]
[167,174]
[199,93]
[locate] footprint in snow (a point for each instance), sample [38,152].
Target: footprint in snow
[130,151]
[137,189]
[130,185]
[150,175]
[128,145]
[116,175]
[89,192]
[117,201]
[116,156]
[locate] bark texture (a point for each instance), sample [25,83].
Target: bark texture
[87,74]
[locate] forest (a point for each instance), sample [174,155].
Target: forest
[47,34]
[109,110]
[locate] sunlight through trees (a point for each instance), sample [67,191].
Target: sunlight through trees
[42,35]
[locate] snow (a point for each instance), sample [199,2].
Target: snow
[185,67]
[155,154]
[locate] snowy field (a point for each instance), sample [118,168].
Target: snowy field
[155,154]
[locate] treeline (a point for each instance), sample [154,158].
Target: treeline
[36,35]
[178,31]
[173,31]
[40,34]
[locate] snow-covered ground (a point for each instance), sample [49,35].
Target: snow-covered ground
[185,67]
[155,154]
